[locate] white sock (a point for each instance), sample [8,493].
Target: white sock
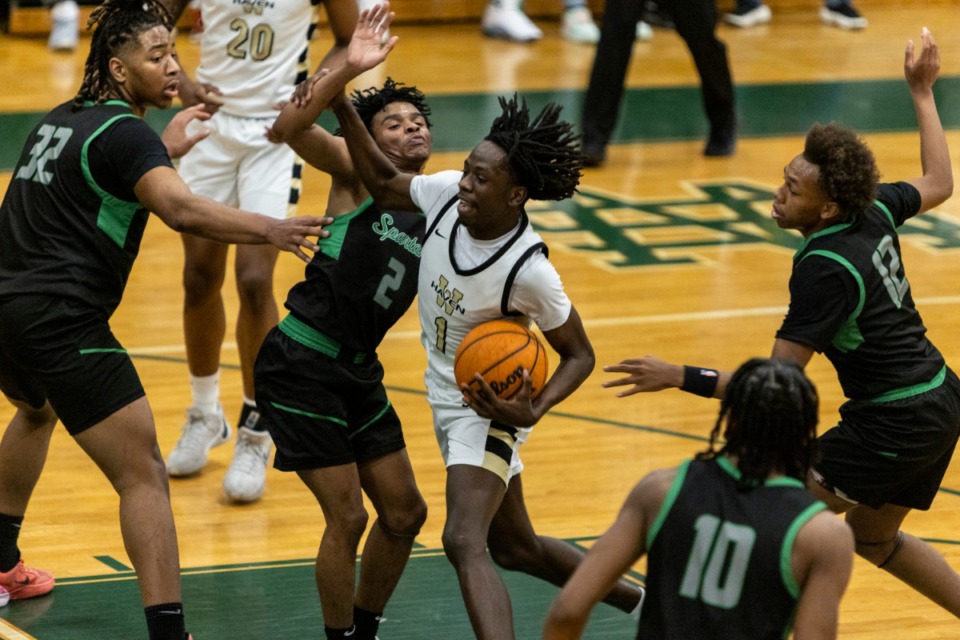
[206,392]
[250,402]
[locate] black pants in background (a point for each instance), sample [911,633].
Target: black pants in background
[695,22]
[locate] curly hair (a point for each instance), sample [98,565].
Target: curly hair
[118,23]
[848,170]
[544,155]
[369,102]
[770,412]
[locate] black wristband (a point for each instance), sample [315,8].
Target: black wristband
[700,381]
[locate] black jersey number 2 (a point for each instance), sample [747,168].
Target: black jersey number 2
[887,261]
[44,152]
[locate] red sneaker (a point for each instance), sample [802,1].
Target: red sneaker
[22,582]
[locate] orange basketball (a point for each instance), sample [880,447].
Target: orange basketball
[499,351]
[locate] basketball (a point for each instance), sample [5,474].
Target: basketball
[499,351]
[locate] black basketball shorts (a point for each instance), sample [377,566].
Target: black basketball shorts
[322,412]
[53,349]
[893,452]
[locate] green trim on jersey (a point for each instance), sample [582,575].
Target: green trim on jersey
[313,339]
[333,244]
[85,352]
[729,467]
[914,390]
[849,336]
[889,215]
[668,501]
[786,549]
[115,215]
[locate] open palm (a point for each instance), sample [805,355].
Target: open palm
[367,46]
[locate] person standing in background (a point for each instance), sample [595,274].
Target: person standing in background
[838,13]
[252,55]
[695,22]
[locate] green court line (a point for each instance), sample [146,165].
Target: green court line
[113,563]
[648,114]
[280,602]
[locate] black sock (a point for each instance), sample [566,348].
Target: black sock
[9,534]
[367,623]
[337,634]
[165,621]
[250,419]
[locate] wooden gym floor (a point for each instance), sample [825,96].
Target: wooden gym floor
[664,252]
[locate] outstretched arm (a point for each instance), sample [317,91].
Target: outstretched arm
[936,184]
[162,191]
[611,557]
[653,374]
[296,126]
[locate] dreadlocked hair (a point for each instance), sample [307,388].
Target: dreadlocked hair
[770,412]
[848,170]
[370,102]
[544,155]
[117,22]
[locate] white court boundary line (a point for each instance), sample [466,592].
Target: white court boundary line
[10,632]
[693,316]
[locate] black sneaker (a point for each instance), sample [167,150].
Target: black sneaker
[843,16]
[656,16]
[721,143]
[592,155]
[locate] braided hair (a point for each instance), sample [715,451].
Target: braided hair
[544,155]
[118,23]
[770,410]
[370,102]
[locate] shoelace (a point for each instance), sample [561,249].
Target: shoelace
[195,432]
[249,457]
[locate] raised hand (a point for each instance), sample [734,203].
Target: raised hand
[367,47]
[921,72]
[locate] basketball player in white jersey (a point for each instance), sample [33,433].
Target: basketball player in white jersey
[252,54]
[482,260]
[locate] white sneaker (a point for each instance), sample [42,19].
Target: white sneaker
[201,432]
[577,25]
[843,16]
[246,477]
[750,17]
[4,597]
[64,26]
[508,23]
[644,31]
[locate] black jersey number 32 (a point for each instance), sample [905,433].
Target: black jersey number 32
[44,152]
